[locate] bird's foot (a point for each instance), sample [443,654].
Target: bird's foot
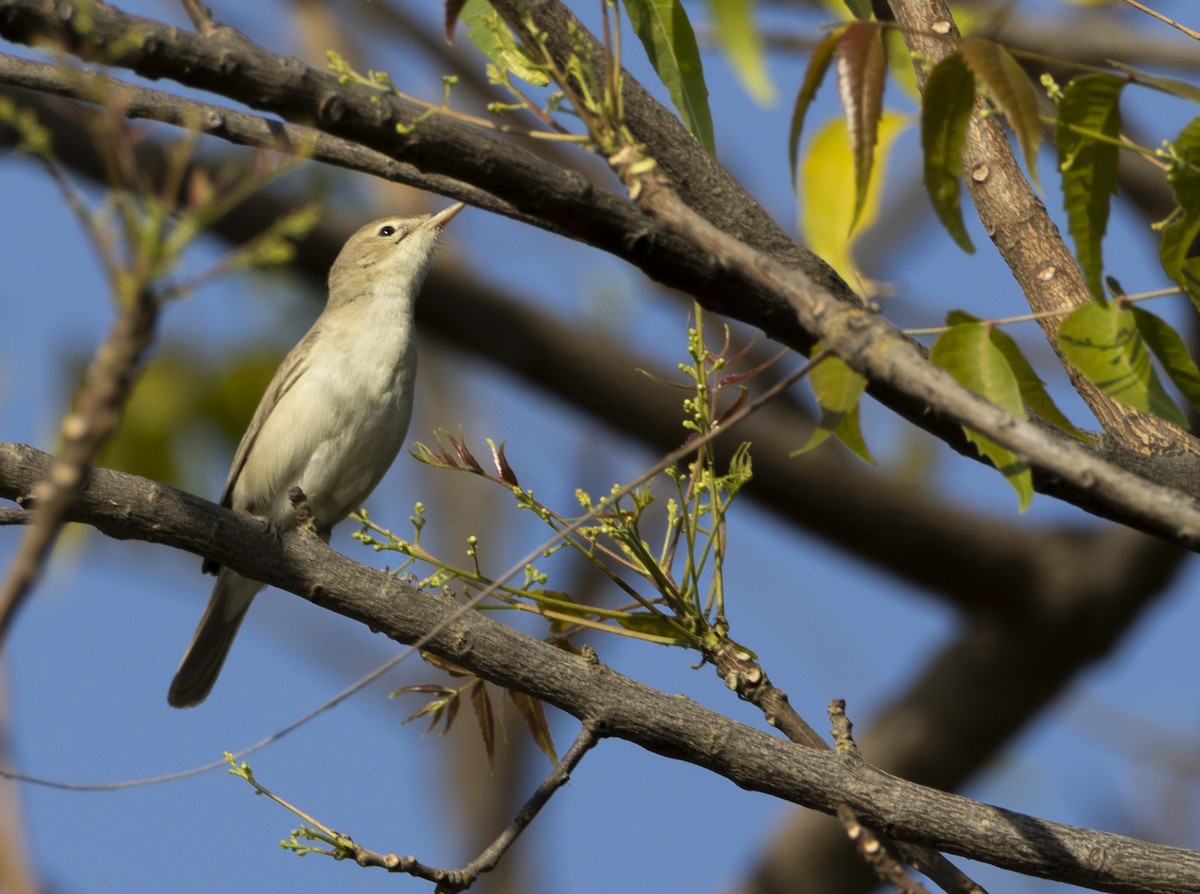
[304,515]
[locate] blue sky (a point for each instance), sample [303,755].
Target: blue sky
[87,665]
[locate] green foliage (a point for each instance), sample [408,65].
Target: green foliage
[677,590]
[1033,390]
[1010,88]
[1182,228]
[945,115]
[179,396]
[32,137]
[663,28]
[491,35]
[838,390]
[334,844]
[966,351]
[1171,352]
[1087,131]
[1104,342]
[1169,86]
[733,26]
[860,9]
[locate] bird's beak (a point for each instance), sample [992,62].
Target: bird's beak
[439,220]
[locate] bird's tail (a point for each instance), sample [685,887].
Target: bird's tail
[201,664]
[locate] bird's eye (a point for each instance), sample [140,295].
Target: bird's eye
[387,231]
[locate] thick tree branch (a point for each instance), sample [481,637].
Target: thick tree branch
[983,565]
[247,73]
[976,692]
[1031,245]
[806,497]
[824,493]
[239,128]
[883,355]
[702,182]
[124,506]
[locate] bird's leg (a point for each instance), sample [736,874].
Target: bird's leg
[304,516]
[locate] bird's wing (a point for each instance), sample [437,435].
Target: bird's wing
[289,372]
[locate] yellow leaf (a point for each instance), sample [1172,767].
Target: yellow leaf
[827,187]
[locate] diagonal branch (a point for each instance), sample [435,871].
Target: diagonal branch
[84,432]
[877,351]
[824,493]
[1026,237]
[908,386]
[125,507]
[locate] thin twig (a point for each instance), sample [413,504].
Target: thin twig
[1194,35]
[84,432]
[589,735]
[448,881]
[741,672]
[200,15]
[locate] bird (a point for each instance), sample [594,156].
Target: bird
[331,421]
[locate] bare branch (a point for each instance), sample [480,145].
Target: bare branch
[125,506]
[825,493]
[84,432]
[566,201]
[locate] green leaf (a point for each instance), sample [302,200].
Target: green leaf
[967,352]
[861,73]
[491,35]
[666,34]
[183,399]
[945,113]
[1033,390]
[1182,228]
[1170,86]
[1103,342]
[733,23]
[1172,353]
[1011,90]
[653,624]
[818,64]
[838,390]
[860,9]
[1089,107]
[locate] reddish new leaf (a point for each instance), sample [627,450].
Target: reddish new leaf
[861,71]
[503,470]
[453,8]
[818,64]
[534,715]
[487,719]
